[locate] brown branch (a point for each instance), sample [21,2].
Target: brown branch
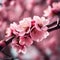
[6,42]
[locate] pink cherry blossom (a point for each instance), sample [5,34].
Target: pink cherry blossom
[19,48]
[52,11]
[25,25]
[56,7]
[27,31]
[12,30]
[37,35]
[40,22]
[21,28]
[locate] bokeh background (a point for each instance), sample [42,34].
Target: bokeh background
[16,10]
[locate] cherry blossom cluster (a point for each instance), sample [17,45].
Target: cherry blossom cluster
[27,31]
[30,30]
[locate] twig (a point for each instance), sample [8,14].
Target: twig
[57,26]
[8,41]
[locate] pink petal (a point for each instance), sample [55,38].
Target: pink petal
[37,35]
[25,40]
[8,32]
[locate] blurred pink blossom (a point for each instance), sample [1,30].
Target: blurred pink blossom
[52,11]
[49,9]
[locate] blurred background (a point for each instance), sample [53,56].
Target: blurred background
[16,10]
